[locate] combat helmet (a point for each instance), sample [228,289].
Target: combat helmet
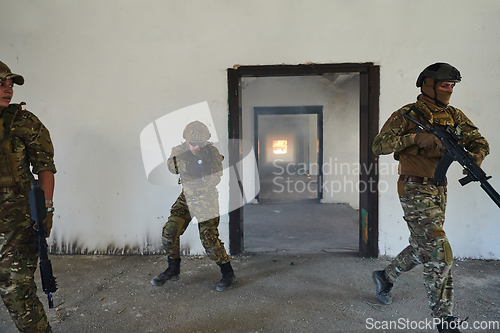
[439,71]
[196,131]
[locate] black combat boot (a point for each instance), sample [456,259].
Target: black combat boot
[449,324]
[383,287]
[171,273]
[228,277]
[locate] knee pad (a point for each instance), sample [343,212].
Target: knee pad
[448,253]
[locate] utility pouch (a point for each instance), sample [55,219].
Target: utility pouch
[9,161]
[8,165]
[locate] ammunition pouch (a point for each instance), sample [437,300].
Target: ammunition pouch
[9,165]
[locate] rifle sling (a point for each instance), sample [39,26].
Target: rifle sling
[420,114]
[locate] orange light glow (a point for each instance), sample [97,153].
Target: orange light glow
[279,146]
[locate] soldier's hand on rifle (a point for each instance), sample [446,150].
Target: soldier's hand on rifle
[181,162]
[47,223]
[434,153]
[427,141]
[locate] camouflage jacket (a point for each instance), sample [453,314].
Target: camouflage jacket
[396,137]
[30,143]
[208,172]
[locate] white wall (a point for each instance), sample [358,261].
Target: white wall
[98,72]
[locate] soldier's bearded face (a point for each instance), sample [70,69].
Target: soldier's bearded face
[6,92]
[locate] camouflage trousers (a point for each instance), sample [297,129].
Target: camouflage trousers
[18,262]
[205,207]
[424,209]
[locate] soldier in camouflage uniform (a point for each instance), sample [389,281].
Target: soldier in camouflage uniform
[24,141]
[199,165]
[424,200]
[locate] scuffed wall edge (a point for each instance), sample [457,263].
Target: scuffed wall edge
[77,249]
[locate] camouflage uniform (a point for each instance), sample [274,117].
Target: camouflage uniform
[199,198]
[424,204]
[31,144]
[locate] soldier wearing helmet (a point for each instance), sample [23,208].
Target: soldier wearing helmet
[437,82]
[423,200]
[199,165]
[24,144]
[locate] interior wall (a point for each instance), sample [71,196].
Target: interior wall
[98,72]
[313,145]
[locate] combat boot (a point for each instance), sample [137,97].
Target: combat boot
[383,287]
[449,324]
[228,277]
[171,273]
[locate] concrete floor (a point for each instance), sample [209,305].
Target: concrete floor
[301,226]
[287,188]
[275,292]
[290,220]
[300,273]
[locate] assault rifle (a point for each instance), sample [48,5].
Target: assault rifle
[39,213]
[453,151]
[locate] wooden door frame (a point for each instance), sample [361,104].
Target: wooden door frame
[368,129]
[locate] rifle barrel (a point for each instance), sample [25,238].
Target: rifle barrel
[491,192]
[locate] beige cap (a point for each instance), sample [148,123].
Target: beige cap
[5,73]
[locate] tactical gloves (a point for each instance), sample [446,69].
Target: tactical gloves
[427,141]
[47,223]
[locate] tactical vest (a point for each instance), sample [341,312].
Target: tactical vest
[442,118]
[10,163]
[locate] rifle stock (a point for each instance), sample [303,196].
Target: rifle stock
[455,152]
[39,213]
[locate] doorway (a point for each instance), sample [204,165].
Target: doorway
[368,128]
[289,152]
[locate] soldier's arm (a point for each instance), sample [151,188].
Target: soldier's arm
[38,143]
[473,140]
[177,162]
[219,158]
[40,151]
[393,136]
[47,182]
[214,165]
[172,164]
